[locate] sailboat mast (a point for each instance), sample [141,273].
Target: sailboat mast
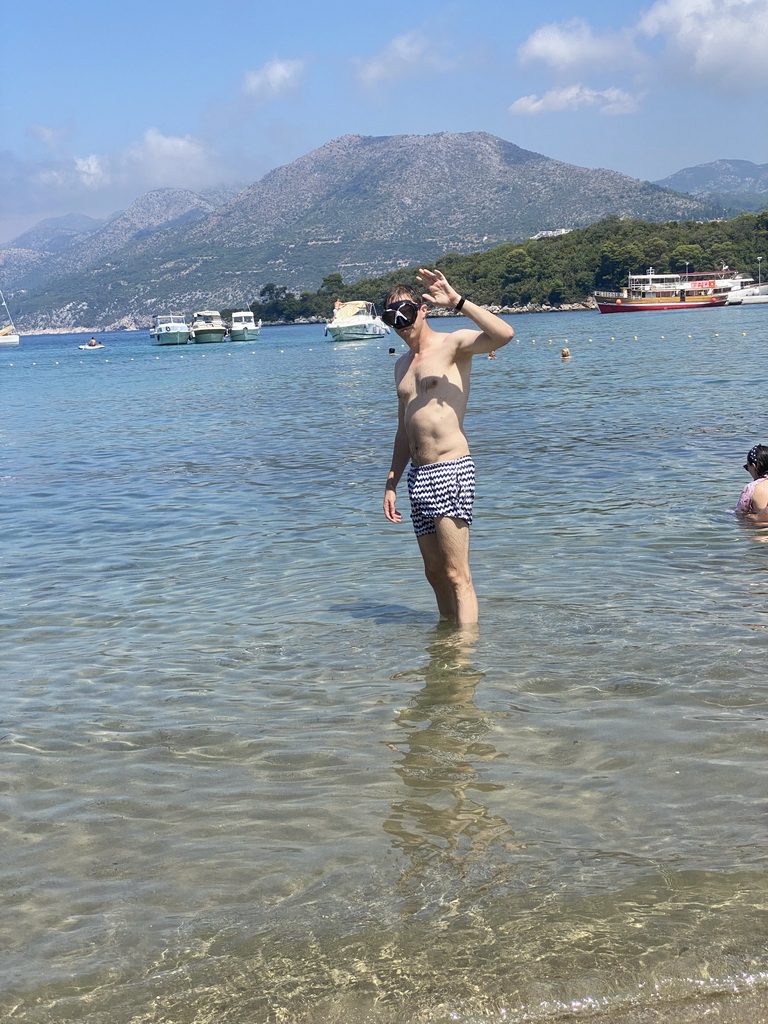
[2,297]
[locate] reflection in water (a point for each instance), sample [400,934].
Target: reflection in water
[443,820]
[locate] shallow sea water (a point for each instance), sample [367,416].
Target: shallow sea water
[246,776]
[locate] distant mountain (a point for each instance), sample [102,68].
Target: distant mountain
[56,233]
[729,177]
[358,205]
[163,208]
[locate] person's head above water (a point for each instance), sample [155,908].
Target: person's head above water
[757,459]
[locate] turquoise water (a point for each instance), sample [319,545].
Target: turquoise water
[247,778]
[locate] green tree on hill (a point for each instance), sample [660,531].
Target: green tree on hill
[561,269]
[686,256]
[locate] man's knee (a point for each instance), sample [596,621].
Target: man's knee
[458,575]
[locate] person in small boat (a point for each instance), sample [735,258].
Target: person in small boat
[92,343]
[753,501]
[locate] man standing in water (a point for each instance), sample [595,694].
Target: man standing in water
[432,381]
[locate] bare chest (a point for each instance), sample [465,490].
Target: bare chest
[428,379]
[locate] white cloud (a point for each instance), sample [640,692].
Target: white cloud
[158,159]
[272,80]
[101,183]
[407,55]
[92,172]
[573,45]
[576,97]
[722,41]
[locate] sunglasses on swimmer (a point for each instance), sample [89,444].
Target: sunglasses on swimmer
[400,314]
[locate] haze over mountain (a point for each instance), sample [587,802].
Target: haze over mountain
[736,183]
[357,205]
[724,176]
[55,234]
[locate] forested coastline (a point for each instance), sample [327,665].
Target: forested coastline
[555,271]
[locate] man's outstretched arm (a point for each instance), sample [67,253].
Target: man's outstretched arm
[494,332]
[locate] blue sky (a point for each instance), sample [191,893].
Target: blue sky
[103,102]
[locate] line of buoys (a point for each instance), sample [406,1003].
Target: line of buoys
[346,348]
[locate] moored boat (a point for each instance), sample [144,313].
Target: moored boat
[747,290]
[652,291]
[355,321]
[169,329]
[244,327]
[207,327]
[8,334]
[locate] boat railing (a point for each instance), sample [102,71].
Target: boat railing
[608,295]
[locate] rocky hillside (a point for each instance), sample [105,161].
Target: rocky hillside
[152,212]
[358,205]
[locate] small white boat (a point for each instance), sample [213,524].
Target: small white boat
[355,321]
[90,346]
[244,326]
[8,334]
[169,329]
[207,326]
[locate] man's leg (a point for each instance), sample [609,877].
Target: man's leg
[446,565]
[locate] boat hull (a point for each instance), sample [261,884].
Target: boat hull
[355,332]
[650,305]
[169,337]
[208,337]
[755,293]
[9,339]
[244,333]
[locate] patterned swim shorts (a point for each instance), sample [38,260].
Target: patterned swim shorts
[441,489]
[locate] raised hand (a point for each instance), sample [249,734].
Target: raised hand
[438,289]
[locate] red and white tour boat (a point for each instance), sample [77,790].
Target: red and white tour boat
[652,291]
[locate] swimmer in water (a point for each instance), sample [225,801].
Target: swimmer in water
[753,501]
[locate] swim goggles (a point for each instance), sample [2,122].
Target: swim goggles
[400,314]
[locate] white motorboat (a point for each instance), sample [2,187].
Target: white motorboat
[169,329]
[8,334]
[355,321]
[207,326]
[747,290]
[244,326]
